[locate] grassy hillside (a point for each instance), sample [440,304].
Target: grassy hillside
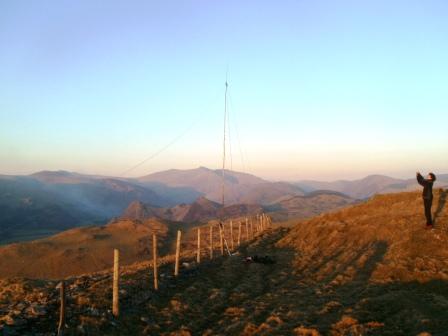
[370,269]
[83,250]
[308,206]
[87,249]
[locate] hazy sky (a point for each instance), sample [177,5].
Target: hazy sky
[318,89]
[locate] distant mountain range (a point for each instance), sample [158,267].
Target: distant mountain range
[48,202]
[239,187]
[41,204]
[368,186]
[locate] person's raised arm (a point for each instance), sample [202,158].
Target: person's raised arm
[420,179]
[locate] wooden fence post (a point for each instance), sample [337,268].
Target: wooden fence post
[211,241]
[239,233]
[221,242]
[247,228]
[251,227]
[176,265]
[232,246]
[116,280]
[256,225]
[198,255]
[62,309]
[154,261]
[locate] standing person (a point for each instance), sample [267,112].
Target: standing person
[427,195]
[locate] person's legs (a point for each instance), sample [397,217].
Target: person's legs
[428,204]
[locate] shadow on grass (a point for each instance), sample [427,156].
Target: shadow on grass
[442,201]
[264,292]
[405,308]
[229,296]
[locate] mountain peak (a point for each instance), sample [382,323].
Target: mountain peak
[137,210]
[203,201]
[53,173]
[208,182]
[59,176]
[203,168]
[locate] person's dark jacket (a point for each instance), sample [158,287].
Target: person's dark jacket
[427,186]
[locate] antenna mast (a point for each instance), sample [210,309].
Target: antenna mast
[224,142]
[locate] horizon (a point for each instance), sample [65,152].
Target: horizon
[322,90]
[218,169]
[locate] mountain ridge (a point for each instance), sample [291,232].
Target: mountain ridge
[369,185]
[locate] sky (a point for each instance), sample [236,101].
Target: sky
[317,89]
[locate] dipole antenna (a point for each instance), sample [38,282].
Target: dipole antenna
[224,143]
[221,224]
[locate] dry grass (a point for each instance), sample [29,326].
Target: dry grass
[81,250]
[371,269]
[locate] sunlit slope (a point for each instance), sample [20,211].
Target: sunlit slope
[82,250]
[389,228]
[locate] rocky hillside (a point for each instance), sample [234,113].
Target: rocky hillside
[200,211]
[370,269]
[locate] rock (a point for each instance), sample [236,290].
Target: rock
[15,312]
[20,306]
[43,295]
[13,321]
[9,331]
[93,311]
[144,319]
[81,330]
[82,300]
[38,310]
